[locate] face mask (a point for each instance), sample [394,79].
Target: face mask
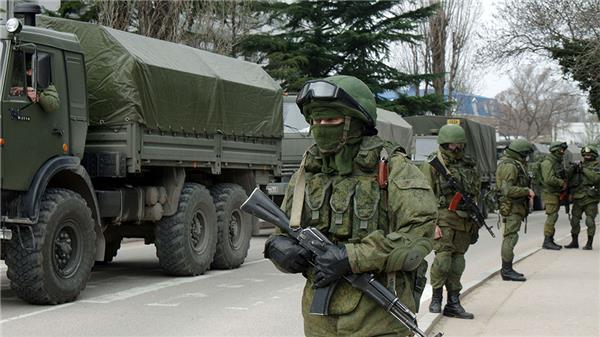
[328,137]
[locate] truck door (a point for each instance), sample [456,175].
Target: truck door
[30,134]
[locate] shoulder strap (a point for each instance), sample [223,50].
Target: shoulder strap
[298,201]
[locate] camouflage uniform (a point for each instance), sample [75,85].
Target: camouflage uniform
[458,229]
[512,182]
[586,195]
[553,182]
[386,232]
[49,99]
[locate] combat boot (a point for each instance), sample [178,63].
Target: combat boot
[509,274]
[436,301]
[588,245]
[574,242]
[549,243]
[454,309]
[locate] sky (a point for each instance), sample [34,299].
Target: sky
[495,80]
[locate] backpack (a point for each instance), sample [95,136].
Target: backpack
[535,170]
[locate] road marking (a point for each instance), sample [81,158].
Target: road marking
[136,291]
[237,308]
[36,312]
[122,295]
[231,286]
[165,303]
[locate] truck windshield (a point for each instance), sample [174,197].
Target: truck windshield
[424,147]
[293,120]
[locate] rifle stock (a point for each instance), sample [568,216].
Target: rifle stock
[261,206]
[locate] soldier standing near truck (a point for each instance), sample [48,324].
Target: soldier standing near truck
[553,183]
[512,183]
[586,195]
[455,229]
[384,226]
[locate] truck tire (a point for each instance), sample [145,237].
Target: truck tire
[235,226]
[57,267]
[186,241]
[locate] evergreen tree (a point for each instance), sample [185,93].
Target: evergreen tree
[581,59]
[315,39]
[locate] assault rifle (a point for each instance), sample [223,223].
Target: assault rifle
[314,241]
[460,194]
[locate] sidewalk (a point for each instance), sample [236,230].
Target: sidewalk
[561,297]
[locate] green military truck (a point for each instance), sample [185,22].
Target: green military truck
[297,140]
[481,146]
[151,140]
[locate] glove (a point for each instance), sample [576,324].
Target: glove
[287,254]
[331,266]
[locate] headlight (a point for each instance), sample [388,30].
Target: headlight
[13,25]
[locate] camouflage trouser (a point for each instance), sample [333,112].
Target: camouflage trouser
[449,263]
[512,224]
[552,205]
[591,210]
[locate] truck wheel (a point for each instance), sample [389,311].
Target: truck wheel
[186,242]
[235,226]
[60,263]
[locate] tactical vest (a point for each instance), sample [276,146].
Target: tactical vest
[462,170]
[584,186]
[350,207]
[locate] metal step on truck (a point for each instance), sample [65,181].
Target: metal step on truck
[149,139]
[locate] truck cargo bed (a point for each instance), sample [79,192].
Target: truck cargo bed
[136,147]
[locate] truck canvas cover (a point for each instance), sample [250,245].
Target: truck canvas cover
[481,138]
[393,127]
[172,87]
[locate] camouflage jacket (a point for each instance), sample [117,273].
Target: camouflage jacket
[512,183]
[553,178]
[463,170]
[586,182]
[379,228]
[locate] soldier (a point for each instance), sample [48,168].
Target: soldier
[455,230]
[553,183]
[586,195]
[512,182]
[384,230]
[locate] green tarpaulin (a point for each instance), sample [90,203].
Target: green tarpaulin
[172,87]
[481,139]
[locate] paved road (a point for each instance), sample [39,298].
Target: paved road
[131,296]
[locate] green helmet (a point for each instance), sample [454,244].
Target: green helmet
[555,146]
[451,134]
[521,146]
[355,96]
[589,150]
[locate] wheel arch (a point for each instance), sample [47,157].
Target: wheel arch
[65,172]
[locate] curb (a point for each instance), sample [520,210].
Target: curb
[428,320]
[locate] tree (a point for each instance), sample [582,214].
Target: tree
[535,102]
[315,39]
[446,49]
[565,30]
[217,26]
